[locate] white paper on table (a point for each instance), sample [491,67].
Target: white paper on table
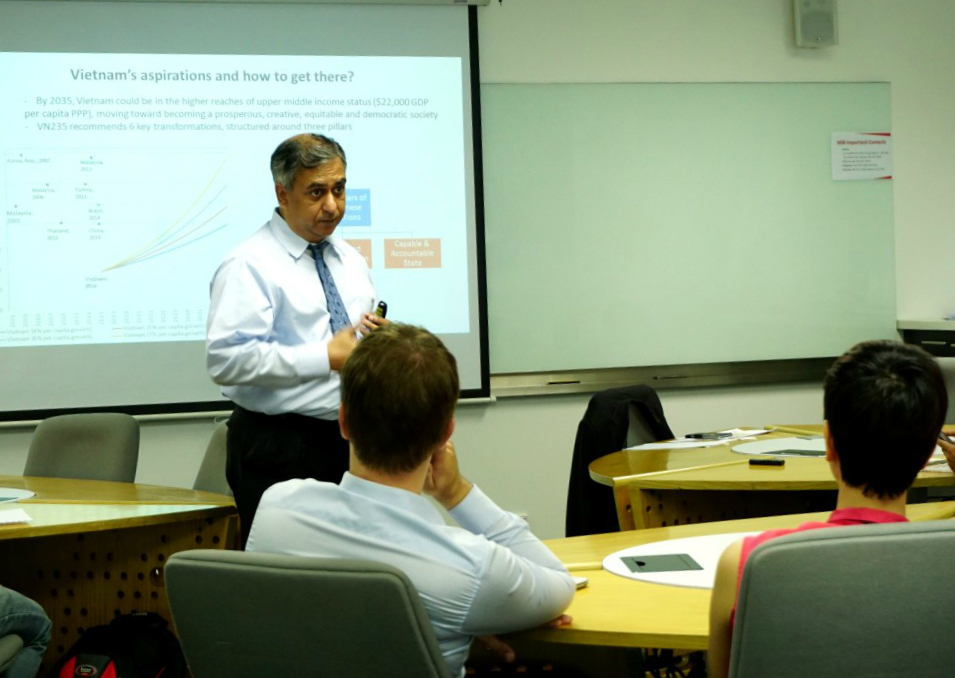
[938,466]
[11,494]
[13,516]
[687,443]
[705,550]
[776,446]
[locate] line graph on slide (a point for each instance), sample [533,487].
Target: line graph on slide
[122,243]
[201,219]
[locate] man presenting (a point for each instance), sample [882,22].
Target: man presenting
[287,307]
[488,576]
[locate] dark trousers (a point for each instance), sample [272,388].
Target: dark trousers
[266,449]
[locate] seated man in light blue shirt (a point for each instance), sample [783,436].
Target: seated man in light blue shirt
[488,576]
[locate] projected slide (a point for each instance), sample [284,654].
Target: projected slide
[77,220]
[127,178]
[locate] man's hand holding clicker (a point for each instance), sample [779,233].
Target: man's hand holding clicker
[344,341]
[371,322]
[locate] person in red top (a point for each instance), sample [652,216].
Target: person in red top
[884,404]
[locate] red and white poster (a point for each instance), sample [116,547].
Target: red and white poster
[861,155]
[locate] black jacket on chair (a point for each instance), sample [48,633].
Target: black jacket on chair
[603,429]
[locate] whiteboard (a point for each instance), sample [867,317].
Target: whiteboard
[635,225]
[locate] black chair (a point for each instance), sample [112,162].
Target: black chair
[615,419]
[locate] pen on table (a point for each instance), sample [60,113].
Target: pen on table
[577,567]
[712,435]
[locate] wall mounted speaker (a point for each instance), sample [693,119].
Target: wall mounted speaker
[814,22]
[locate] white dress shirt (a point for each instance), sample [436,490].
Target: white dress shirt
[269,326]
[491,575]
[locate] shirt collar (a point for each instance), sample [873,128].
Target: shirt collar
[395,497]
[855,516]
[295,244]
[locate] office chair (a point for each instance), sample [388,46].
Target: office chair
[99,446]
[615,419]
[241,614]
[211,475]
[867,600]
[10,646]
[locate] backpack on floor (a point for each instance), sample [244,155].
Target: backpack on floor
[134,645]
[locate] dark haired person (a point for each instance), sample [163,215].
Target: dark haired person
[23,617]
[884,404]
[287,306]
[490,575]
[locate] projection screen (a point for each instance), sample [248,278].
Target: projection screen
[135,148]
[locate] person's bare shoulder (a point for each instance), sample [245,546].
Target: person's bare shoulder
[722,602]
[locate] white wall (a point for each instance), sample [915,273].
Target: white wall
[519,449]
[907,43]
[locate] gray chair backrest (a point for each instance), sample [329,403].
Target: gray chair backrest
[254,614]
[10,647]
[211,475]
[867,600]
[97,446]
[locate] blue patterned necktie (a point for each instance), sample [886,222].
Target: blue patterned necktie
[336,309]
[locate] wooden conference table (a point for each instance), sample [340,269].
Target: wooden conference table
[613,611]
[96,549]
[657,488]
